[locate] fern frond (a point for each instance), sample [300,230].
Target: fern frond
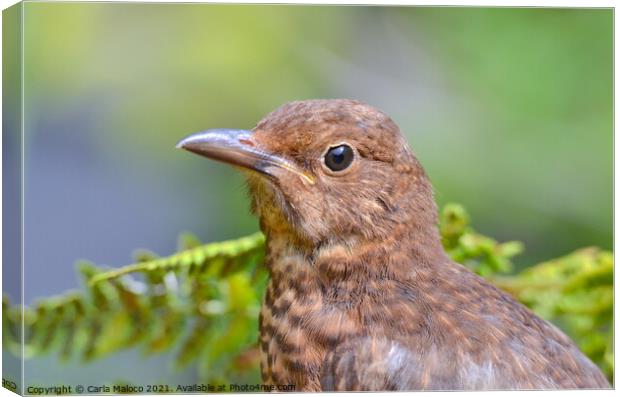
[231,253]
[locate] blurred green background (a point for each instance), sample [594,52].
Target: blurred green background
[509,110]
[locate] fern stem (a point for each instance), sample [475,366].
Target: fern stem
[195,256]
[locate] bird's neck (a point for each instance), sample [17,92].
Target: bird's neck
[353,260]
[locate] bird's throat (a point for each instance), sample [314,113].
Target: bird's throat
[350,262]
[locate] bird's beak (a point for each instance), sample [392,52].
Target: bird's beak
[238,147]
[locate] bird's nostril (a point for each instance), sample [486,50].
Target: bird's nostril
[246,142]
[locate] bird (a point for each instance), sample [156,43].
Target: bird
[361,294]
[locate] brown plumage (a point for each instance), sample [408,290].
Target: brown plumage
[362,295]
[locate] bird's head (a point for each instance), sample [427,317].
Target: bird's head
[320,170]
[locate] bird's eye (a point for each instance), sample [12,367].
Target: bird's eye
[339,157]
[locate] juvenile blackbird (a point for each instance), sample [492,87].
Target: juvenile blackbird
[361,294]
